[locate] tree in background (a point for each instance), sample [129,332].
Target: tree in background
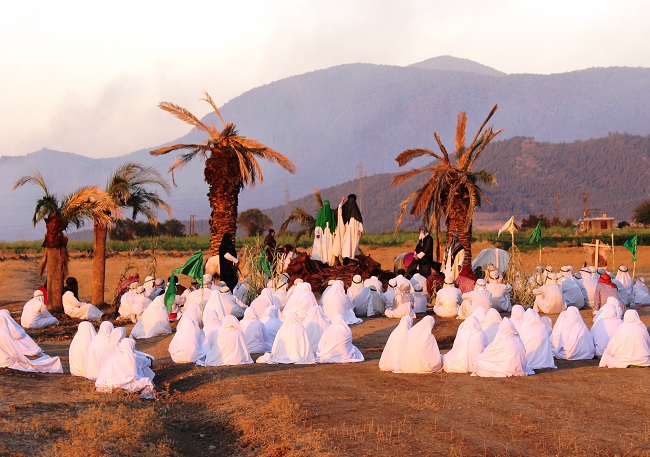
[531,221]
[306,222]
[254,222]
[128,229]
[230,164]
[59,214]
[641,213]
[128,188]
[172,227]
[452,187]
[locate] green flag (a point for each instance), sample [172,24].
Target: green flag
[630,245]
[536,235]
[192,268]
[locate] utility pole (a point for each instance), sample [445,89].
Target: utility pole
[557,206]
[192,228]
[585,203]
[360,178]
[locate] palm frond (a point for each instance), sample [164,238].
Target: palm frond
[45,206]
[214,106]
[88,202]
[301,217]
[35,178]
[442,149]
[460,132]
[409,174]
[184,159]
[176,147]
[318,197]
[185,116]
[402,209]
[406,156]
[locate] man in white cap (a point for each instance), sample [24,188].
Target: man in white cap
[625,293]
[420,301]
[376,301]
[417,278]
[139,304]
[448,299]
[549,298]
[536,279]
[231,304]
[35,314]
[390,293]
[158,288]
[402,303]
[360,296]
[480,297]
[641,293]
[126,299]
[500,292]
[201,295]
[590,281]
[374,281]
[148,285]
[571,292]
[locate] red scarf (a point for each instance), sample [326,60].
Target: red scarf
[467,272]
[606,279]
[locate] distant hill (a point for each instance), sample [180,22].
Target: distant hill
[334,121]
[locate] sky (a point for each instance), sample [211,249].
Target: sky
[86,77]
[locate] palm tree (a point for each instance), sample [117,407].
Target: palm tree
[301,217]
[88,202]
[127,189]
[451,189]
[230,164]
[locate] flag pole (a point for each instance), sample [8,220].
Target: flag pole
[613,253]
[634,269]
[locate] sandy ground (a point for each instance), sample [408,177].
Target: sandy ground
[577,409]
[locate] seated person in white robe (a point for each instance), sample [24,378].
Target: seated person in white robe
[490,324]
[231,304]
[265,299]
[390,293]
[376,301]
[589,282]
[480,297]
[422,354]
[11,355]
[120,371]
[97,349]
[641,293]
[537,341]
[374,281]
[505,356]
[76,309]
[241,291]
[517,315]
[211,323]
[395,345]
[23,341]
[228,345]
[157,289]
[154,321]
[360,296]
[126,299]
[291,344]
[335,345]
[549,298]
[571,292]
[254,333]
[189,343]
[336,302]
[401,280]
[605,324]
[402,303]
[202,293]
[500,292]
[469,342]
[419,300]
[448,299]
[571,339]
[272,324]
[315,323]
[625,292]
[78,352]
[417,278]
[35,314]
[300,300]
[139,304]
[629,345]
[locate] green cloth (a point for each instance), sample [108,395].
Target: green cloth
[326,216]
[630,245]
[192,268]
[536,235]
[263,263]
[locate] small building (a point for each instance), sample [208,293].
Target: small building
[596,224]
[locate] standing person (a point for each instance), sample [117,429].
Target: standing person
[228,261]
[348,229]
[324,234]
[271,247]
[423,259]
[454,256]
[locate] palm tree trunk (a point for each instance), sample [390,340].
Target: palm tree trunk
[99,263]
[456,222]
[55,273]
[224,182]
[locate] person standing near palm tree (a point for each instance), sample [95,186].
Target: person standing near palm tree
[228,261]
[324,233]
[349,229]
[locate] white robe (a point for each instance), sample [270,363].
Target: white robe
[417,278]
[153,322]
[395,345]
[500,295]
[125,303]
[271,323]
[211,323]
[625,293]
[571,339]
[232,305]
[469,342]
[323,241]
[374,281]
[517,316]
[291,344]
[336,346]
[448,299]
[254,333]
[605,324]
[97,349]
[228,345]
[549,299]
[265,299]
[11,355]
[23,341]
[629,345]
[189,343]
[377,303]
[120,371]
[419,303]
[537,342]
[480,297]
[641,294]
[78,351]
[315,324]
[505,356]
[337,302]
[300,300]
[590,282]
[490,324]
[79,310]
[422,354]
[350,239]
[35,315]
[572,294]
[360,296]
[214,303]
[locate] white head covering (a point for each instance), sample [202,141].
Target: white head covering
[97,349]
[79,348]
[571,339]
[121,371]
[517,315]
[490,324]
[315,323]
[254,332]
[154,320]
[606,322]
[629,345]
[336,301]
[505,356]
[188,343]
[228,345]
[423,355]
[300,300]
[291,343]
[211,323]
[395,345]
[536,340]
[207,279]
[271,324]
[335,345]
[480,284]
[470,341]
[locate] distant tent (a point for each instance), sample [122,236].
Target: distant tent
[495,256]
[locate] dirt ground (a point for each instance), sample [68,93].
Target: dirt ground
[354,409]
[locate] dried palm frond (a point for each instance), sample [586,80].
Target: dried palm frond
[318,197]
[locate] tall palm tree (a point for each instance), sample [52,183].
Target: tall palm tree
[127,187]
[230,164]
[59,214]
[452,187]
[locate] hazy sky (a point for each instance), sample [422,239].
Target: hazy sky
[86,77]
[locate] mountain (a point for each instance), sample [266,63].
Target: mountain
[338,122]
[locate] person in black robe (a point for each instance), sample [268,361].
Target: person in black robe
[228,261]
[423,259]
[271,247]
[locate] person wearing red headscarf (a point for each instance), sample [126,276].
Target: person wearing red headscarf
[466,279]
[604,289]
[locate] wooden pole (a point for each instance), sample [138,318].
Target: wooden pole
[596,254]
[613,255]
[634,269]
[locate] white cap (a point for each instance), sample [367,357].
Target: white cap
[405,287]
[494,274]
[148,278]
[418,287]
[392,282]
[207,278]
[356,279]
[549,268]
[224,289]
[140,290]
[622,268]
[565,268]
[38,293]
[372,287]
[134,285]
[448,280]
[298,281]
[159,281]
[481,282]
[331,282]
[641,279]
